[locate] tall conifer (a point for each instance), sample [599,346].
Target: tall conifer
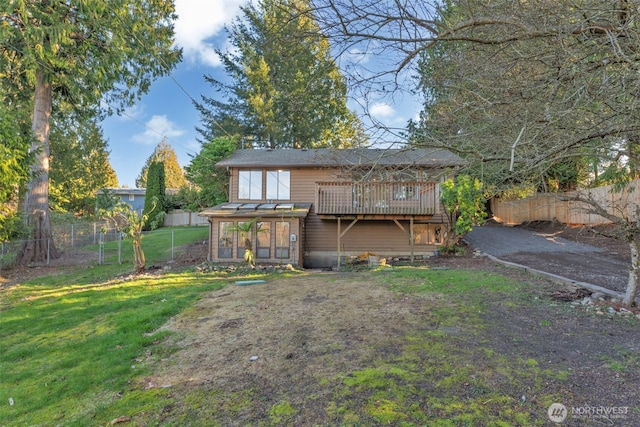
[155,197]
[174,175]
[286,90]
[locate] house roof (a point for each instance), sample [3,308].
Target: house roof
[267,210]
[125,191]
[134,191]
[323,157]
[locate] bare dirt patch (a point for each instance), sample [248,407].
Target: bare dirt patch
[295,329]
[14,273]
[576,253]
[297,339]
[600,236]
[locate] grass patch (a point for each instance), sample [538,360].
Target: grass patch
[70,352]
[159,246]
[625,361]
[282,413]
[75,350]
[440,379]
[472,286]
[73,344]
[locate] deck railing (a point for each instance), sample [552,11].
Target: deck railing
[377,198]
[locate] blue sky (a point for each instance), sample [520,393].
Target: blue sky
[167,110]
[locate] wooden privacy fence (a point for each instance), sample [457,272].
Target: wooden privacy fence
[560,206]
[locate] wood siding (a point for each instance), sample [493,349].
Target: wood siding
[318,238]
[296,227]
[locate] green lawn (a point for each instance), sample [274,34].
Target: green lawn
[69,350]
[159,246]
[75,349]
[71,343]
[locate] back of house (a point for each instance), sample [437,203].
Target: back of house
[318,207]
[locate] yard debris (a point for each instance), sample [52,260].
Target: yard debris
[119,420]
[569,295]
[239,269]
[601,304]
[232,323]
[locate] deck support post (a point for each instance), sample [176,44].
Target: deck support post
[339,222]
[411,238]
[342,233]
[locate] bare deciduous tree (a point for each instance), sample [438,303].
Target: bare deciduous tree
[542,94]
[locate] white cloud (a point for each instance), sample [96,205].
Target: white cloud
[157,128]
[198,21]
[381,110]
[134,112]
[356,56]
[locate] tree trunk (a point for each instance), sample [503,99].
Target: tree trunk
[634,273]
[41,246]
[138,257]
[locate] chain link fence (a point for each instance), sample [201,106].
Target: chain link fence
[100,243]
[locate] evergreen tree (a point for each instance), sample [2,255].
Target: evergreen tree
[287,91]
[212,183]
[90,53]
[79,163]
[14,167]
[174,174]
[154,200]
[536,94]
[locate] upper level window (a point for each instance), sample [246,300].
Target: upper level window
[250,185]
[131,197]
[278,185]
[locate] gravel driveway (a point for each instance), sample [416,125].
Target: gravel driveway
[551,254]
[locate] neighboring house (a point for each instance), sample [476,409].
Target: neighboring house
[134,197]
[316,207]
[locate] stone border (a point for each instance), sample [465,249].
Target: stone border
[556,278]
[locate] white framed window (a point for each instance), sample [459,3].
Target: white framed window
[278,185]
[131,197]
[250,185]
[405,192]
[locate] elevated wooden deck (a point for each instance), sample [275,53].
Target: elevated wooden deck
[377,198]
